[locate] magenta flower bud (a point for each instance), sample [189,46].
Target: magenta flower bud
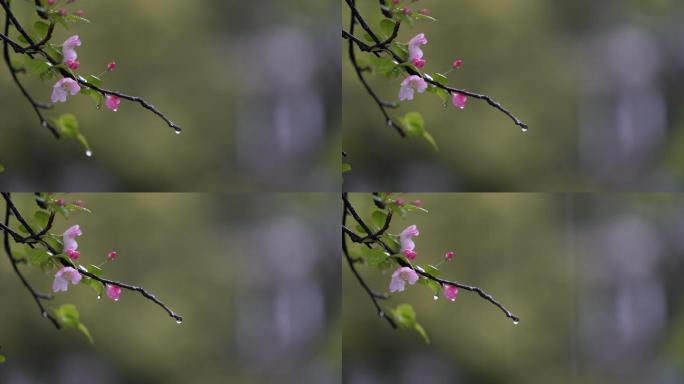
[113,292]
[459,100]
[111,66]
[448,256]
[112,102]
[457,64]
[411,255]
[450,292]
[73,255]
[112,255]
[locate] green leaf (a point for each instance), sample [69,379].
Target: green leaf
[428,137]
[382,65]
[2,359]
[405,315]
[2,168]
[345,167]
[42,218]
[37,257]
[379,218]
[84,330]
[419,328]
[67,124]
[376,257]
[414,123]
[41,28]
[431,269]
[35,67]
[387,27]
[68,315]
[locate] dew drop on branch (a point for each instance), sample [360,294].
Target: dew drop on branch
[179,321]
[435,297]
[515,322]
[99,297]
[89,153]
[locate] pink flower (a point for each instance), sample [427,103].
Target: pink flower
[459,100]
[411,255]
[112,102]
[402,276]
[457,64]
[448,256]
[69,48]
[419,63]
[63,88]
[63,277]
[414,46]
[112,255]
[411,84]
[111,66]
[73,255]
[69,238]
[450,292]
[405,237]
[113,292]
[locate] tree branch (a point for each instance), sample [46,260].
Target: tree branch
[39,238]
[349,209]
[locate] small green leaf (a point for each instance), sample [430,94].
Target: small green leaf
[2,168]
[379,218]
[376,257]
[42,218]
[419,328]
[2,359]
[84,330]
[345,167]
[428,137]
[414,123]
[387,27]
[405,315]
[41,28]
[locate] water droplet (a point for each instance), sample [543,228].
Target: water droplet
[381,314]
[435,297]
[524,129]
[117,299]
[515,322]
[179,321]
[452,300]
[99,297]
[178,132]
[89,153]
[44,313]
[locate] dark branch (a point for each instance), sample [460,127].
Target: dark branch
[383,46]
[373,295]
[33,235]
[349,209]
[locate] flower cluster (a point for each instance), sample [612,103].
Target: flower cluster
[416,83]
[66,274]
[68,86]
[403,275]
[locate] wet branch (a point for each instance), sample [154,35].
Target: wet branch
[375,239]
[39,238]
[383,46]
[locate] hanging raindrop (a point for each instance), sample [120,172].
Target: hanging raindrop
[515,322]
[99,297]
[179,321]
[435,297]
[89,153]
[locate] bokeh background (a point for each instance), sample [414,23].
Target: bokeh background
[255,84]
[595,279]
[253,275]
[599,83]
